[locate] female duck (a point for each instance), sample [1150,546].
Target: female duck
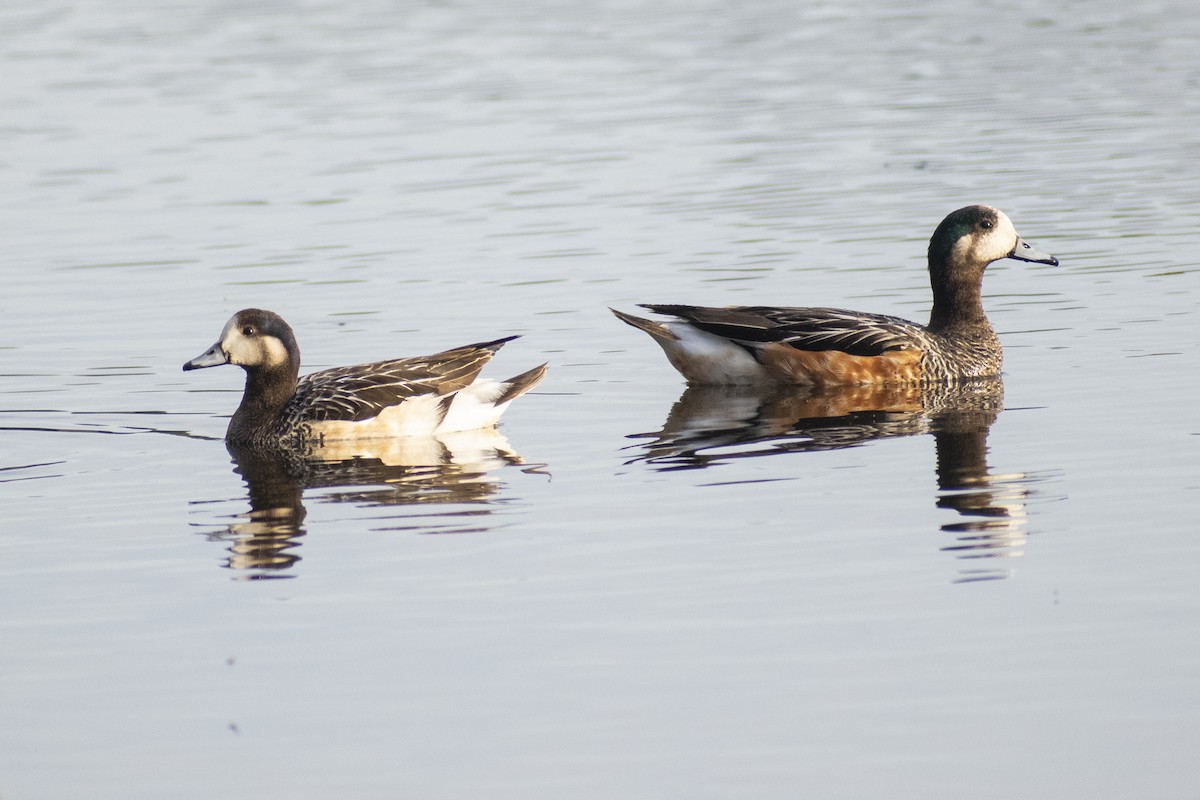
[405,397]
[833,347]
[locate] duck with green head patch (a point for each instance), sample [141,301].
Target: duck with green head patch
[836,347]
[420,396]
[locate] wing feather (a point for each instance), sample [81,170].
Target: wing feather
[362,391]
[852,332]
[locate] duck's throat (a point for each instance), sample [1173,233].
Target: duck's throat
[958,305]
[267,392]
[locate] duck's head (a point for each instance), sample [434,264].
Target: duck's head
[975,236]
[255,340]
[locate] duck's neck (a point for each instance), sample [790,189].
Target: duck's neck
[957,301]
[267,392]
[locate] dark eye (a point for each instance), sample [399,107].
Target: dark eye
[248,330]
[987,224]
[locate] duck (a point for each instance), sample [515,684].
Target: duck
[417,396]
[829,347]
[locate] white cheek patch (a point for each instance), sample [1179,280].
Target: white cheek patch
[1002,239]
[273,352]
[238,348]
[258,351]
[986,247]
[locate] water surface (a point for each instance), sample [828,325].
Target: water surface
[634,590]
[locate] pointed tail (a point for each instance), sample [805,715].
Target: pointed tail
[655,329]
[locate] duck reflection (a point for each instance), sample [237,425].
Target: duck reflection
[712,425]
[448,472]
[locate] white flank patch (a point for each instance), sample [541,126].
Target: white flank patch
[475,407]
[472,408]
[704,358]
[416,416]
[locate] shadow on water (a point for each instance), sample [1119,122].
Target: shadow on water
[714,425]
[440,484]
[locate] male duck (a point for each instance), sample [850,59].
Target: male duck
[834,347]
[406,397]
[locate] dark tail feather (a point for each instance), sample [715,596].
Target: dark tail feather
[518,385]
[655,329]
[462,365]
[444,406]
[493,345]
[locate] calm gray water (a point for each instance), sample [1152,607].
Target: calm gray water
[629,591]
